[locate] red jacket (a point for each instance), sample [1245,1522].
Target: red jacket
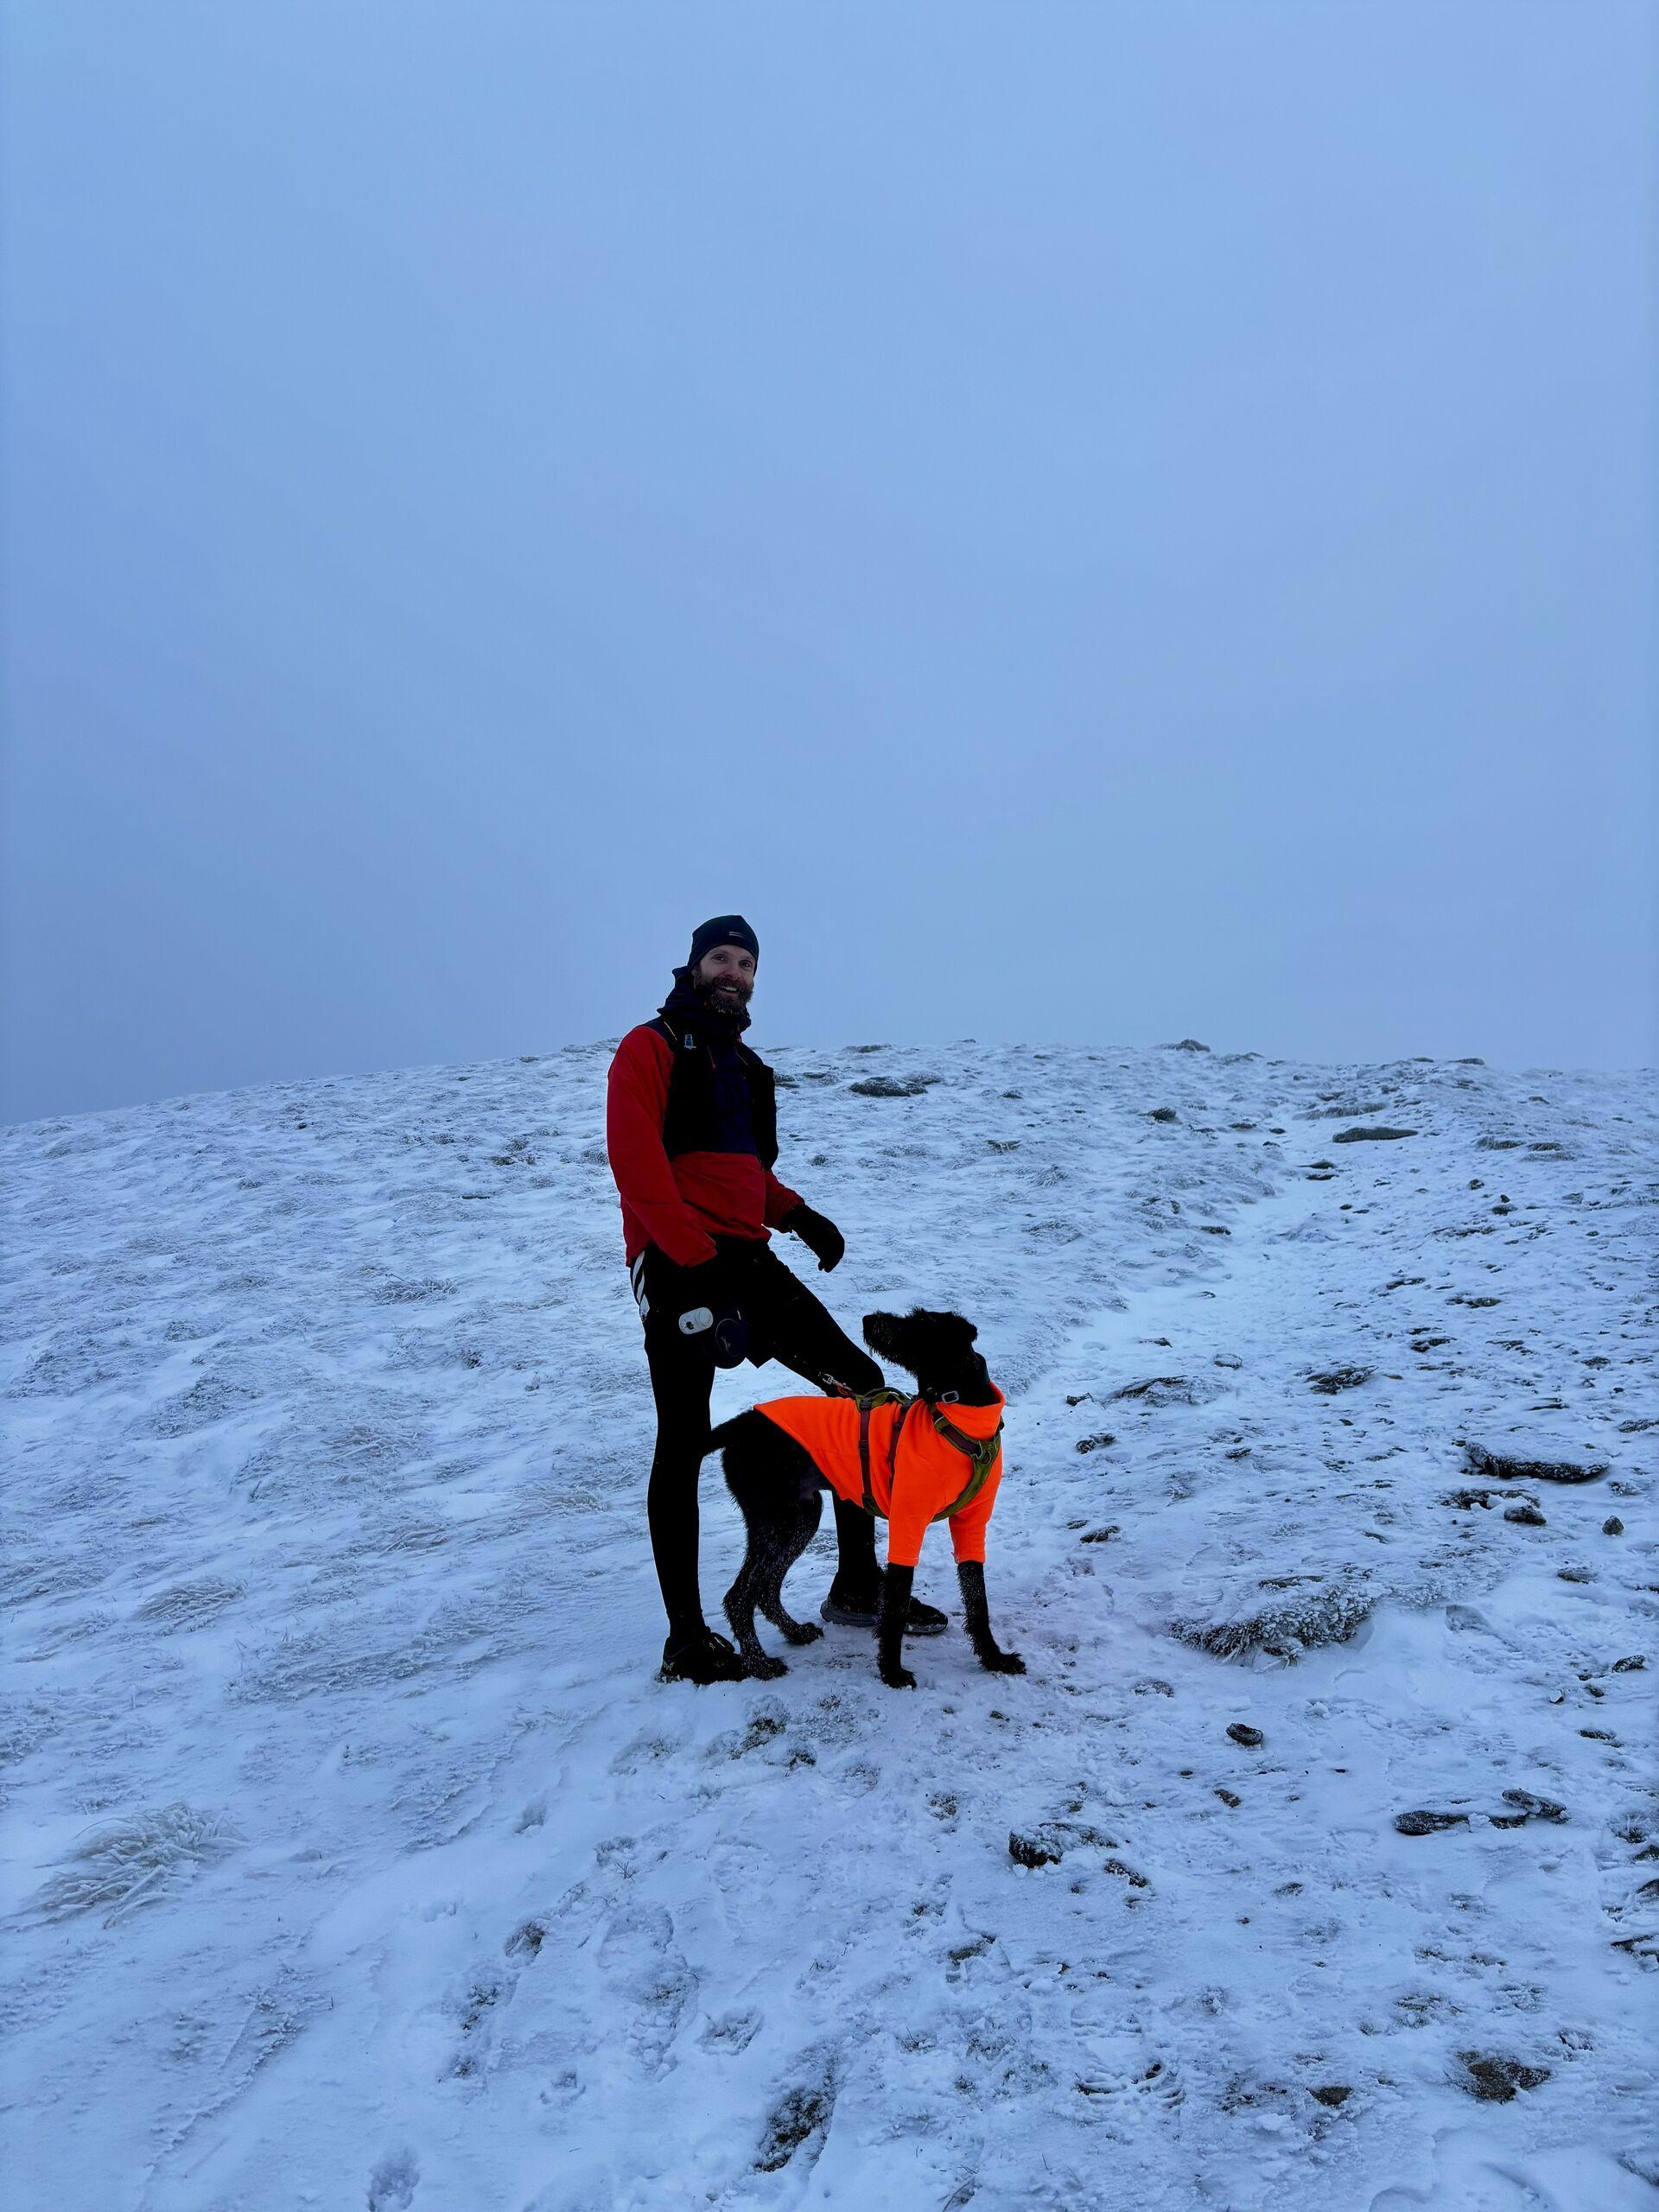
[681,1204]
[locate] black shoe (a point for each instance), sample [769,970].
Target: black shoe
[703,1658]
[925,1620]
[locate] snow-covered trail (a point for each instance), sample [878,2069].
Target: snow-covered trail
[329,1424]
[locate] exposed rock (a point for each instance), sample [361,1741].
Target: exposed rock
[1096,1443]
[1102,1536]
[1377,1135]
[1242,1733]
[1525,1514]
[1423,1823]
[1503,1464]
[1321,1614]
[1163,1114]
[1186,1045]
[1612,1526]
[1041,1849]
[1575,1572]
[1333,2094]
[1150,1686]
[1116,1866]
[1229,1797]
[1496,2081]
[1635,1664]
[1159,1390]
[892,1086]
[1535,1808]
[1339,1379]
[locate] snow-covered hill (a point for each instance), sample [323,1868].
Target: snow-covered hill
[354,1857]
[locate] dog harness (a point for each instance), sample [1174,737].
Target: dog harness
[875,1451]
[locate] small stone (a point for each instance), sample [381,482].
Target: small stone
[1149,1685]
[1371,1136]
[1163,1114]
[1227,1798]
[1333,2094]
[1612,1526]
[1526,1515]
[1096,1443]
[1634,1665]
[1242,1733]
[1574,1573]
[1102,1536]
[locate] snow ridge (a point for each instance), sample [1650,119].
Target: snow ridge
[353,1856]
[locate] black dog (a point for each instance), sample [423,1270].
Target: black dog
[778,1485]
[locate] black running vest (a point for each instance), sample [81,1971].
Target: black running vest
[721,1097]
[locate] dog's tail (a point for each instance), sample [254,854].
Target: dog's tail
[721,1436]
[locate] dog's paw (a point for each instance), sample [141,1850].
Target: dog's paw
[1003,1663]
[898,1678]
[764,1669]
[803,1632]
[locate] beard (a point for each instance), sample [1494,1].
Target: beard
[725,995]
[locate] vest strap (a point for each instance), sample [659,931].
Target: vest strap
[867,1403]
[981,1451]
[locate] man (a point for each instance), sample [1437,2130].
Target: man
[692,1131]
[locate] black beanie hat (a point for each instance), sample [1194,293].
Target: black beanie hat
[725,929]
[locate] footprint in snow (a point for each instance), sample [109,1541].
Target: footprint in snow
[393,2182]
[646,1971]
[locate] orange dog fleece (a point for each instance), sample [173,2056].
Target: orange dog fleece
[929,1476]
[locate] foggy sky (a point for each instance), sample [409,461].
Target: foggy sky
[1099,522]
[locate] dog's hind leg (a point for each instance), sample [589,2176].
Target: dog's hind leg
[769,1593]
[764,1472]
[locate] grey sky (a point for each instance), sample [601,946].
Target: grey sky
[1096,523]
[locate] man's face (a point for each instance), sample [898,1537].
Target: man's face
[726,978]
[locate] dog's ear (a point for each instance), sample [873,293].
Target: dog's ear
[973,1333]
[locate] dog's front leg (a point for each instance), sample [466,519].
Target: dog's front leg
[890,1627]
[970,1573]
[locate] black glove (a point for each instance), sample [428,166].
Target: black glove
[707,1311]
[819,1235]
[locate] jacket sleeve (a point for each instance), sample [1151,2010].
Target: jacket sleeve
[781,1201]
[636,1100]
[968,1528]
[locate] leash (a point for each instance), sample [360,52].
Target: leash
[981,1450]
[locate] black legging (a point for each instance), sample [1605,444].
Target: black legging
[787,1322]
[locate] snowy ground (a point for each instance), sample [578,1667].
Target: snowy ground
[353,1856]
